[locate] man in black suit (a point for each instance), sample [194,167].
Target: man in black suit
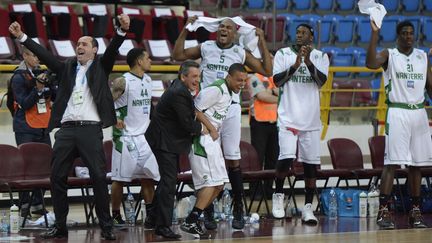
[169,134]
[84,106]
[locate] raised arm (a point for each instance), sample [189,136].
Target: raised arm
[265,66]
[43,54]
[374,60]
[108,58]
[179,52]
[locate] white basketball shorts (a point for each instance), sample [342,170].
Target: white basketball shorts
[231,133]
[308,145]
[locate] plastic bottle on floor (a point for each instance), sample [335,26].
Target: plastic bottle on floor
[130,210]
[333,207]
[14,219]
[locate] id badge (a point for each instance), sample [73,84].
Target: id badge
[78,97]
[220,75]
[41,106]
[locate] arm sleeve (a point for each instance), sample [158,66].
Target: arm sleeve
[24,98]
[185,113]
[44,55]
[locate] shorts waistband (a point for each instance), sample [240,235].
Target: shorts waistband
[406,106]
[80,123]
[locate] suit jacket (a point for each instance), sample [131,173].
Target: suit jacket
[173,123]
[97,78]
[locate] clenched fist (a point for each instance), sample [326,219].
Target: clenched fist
[15,30]
[124,21]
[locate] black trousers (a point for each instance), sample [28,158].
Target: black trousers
[163,201]
[84,142]
[265,139]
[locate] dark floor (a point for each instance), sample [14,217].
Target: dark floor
[265,230]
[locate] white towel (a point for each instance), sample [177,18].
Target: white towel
[248,38]
[375,10]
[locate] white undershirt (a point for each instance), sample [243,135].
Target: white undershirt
[86,111]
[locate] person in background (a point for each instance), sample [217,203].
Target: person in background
[262,121]
[33,95]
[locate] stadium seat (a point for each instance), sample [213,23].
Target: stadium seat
[255,5]
[346,154]
[344,30]
[235,4]
[426,30]
[280,31]
[62,49]
[98,21]
[342,59]
[324,5]
[166,25]
[158,50]
[103,44]
[4,22]
[364,31]
[341,99]
[427,6]
[29,18]
[254,20]
[392,6]
[289,17]
[281,4]
[326,33]
[7,51]
[331,50]
[388,29]
[345,5]
[363,98]
[410,5]
[126,46]
[301,5]
[140,25]
[62,23]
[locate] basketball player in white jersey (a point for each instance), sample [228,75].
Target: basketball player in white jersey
[408,140]
[132,157]
[299,72]
[217,56]
[206,159]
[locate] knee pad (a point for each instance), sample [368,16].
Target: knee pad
[309,170]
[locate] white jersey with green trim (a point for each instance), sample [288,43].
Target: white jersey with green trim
[133,106]
[299,102]
[214,101]
[405,76]
[216,62]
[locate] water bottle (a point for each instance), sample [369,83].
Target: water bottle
[174,217]
[143,211]
[226,203]
[363,205]
[290,209]
[130,144]
[373,201]
[333,207]
[14,219]
[217,211]
[130,210]
[4,224]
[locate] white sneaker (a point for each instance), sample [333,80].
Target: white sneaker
[307,215]
[278,210]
